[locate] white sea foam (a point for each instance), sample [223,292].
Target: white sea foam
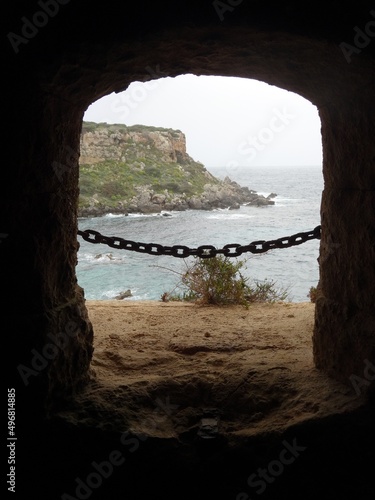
[100,258]
[114,216]
[229,216]
[114,292]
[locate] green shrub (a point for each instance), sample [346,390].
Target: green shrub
[113,188]
[152,171]
[219,281]
[266,292]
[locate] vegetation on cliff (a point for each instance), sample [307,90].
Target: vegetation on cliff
[146,169]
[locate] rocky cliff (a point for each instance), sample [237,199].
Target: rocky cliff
[147,170]
[100,142]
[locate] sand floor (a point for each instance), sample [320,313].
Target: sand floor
[161,369]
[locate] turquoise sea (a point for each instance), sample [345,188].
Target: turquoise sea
[104,272]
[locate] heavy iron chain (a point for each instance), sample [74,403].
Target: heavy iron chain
[203,251]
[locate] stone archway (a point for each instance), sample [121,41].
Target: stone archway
[64,76]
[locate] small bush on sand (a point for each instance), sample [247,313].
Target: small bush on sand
[219,281]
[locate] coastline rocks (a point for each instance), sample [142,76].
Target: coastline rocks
[107,255]
[124,295]
[227,194]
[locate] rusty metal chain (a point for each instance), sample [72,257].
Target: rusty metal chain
[203,251]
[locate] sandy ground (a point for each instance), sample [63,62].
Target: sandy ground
[176,369]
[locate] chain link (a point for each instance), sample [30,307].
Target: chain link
[203,251]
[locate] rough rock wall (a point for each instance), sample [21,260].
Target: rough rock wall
[106,144]
[51,336]
[73,59]
[344,336]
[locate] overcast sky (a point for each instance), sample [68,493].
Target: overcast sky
[227,121]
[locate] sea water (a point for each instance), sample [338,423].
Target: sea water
[105,272]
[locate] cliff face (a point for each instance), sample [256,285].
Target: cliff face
[147,169]
[101,142]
